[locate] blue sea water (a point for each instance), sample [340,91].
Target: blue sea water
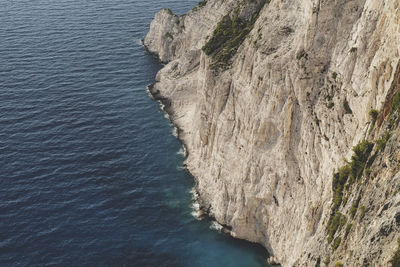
[90,170]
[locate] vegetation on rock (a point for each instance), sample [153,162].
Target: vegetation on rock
[200,5]
[396,103]
[335,224]
[373,113]
[381,142]
[342,180]
[336,243]
[351,172]
[227,37]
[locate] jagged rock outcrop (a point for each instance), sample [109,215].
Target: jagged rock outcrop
[268,118]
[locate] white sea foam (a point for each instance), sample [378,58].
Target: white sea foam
[195,195]
[196,211]
[162,107]
[181,151]
[216,226]
[175,131]
[196,215]
[180,167]
[139,42]
[148,91]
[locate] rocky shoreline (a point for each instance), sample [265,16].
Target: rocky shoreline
[166,107]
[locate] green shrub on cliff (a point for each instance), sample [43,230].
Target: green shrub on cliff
[339,180]
[336,243]
[362,212]
[335,224]
[350,172]
[354,207]
[202,3]
[301,54]
[381,142]
[227,37]
[373,113]
[396,102]
[360,158]
[342,180]
[347,230]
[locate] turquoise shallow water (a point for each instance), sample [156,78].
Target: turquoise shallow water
[90,170]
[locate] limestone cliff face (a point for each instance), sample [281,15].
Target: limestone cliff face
[265,134]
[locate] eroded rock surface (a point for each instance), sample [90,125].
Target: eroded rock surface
[265,134]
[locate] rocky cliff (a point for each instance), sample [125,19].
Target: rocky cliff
[289,111]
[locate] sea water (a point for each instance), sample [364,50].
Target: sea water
[90,170]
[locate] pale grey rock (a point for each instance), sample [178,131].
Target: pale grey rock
[262,139]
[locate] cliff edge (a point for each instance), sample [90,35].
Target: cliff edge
[289,111]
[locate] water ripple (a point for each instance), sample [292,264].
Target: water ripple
[89,166]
